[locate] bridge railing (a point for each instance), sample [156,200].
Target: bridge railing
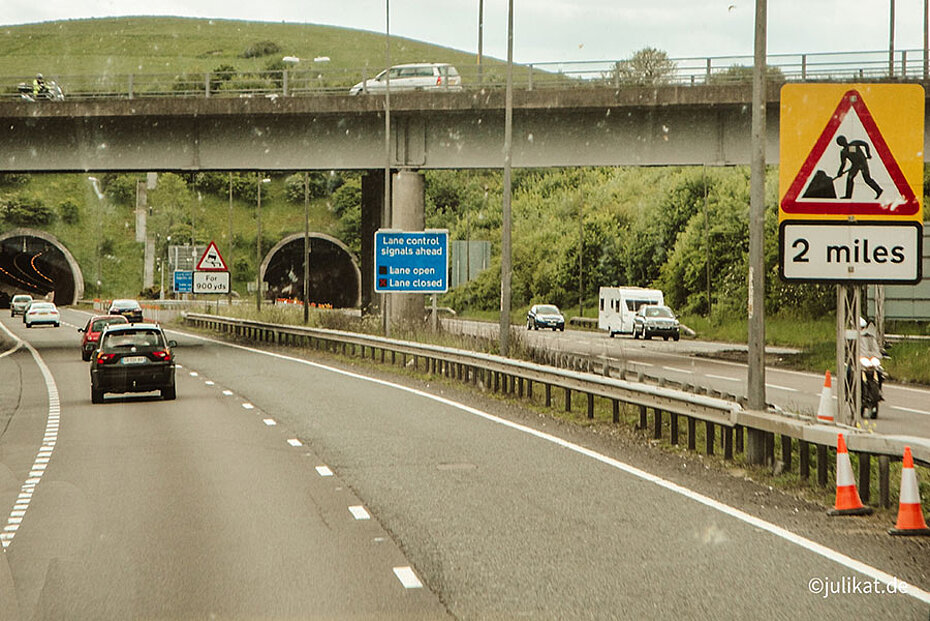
[721,418]
[326,80]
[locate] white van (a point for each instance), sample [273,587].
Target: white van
[617,305]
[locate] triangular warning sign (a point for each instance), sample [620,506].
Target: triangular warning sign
[850,170]
[211,261]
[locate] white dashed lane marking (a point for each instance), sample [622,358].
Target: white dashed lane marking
[209,382]
[294,442]
[324,471]
[248,406]
[722,377]
[359,513]
[269,421]
[407,578]
[227,393]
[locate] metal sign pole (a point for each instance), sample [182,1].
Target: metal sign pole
[849,372]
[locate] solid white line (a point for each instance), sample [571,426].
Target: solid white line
[778,531]
[408,578]
[359,513]
[294,442]
[785,388]
[324,471]
[898,407]
[723,377]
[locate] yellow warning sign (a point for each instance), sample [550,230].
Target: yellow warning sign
[851,151]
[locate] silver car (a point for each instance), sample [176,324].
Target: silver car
[19,304]
[413,77]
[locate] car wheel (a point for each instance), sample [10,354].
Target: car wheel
[647,336]
[96,396]
[57,325]
[611,333]
[28,325]
[635,333]
[562,329]
[676,337]
[169,394]
[85,356]
[664,338]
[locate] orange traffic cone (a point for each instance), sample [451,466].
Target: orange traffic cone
[847,496]
[910,517]
[827,406]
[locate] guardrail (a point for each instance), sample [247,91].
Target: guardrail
[309,79]
[725,418]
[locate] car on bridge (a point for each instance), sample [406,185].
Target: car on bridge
[656,320]
[545,316]
[412,77]
[134,357]
[92,331]
[40,312]
[19,304]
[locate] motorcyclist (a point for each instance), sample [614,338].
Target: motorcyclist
[870,355]
[38,85]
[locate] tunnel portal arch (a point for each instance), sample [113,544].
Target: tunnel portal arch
[35,262]
[335,277]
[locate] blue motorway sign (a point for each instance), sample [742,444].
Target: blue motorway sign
[183,281]
[411,261]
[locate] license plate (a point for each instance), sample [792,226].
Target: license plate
[134,360]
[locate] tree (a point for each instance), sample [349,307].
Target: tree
[648,67]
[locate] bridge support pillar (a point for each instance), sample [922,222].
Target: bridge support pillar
[408,213]
[372,206]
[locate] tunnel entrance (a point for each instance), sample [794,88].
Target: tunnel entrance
[36,263]
[335,278]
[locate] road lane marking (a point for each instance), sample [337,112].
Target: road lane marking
[778,531]
[209,382]
[227,393]
[294,442]
[899,407]
[194,373]
[43,455]
[675,370]
[324,471]
[359,513]
[723,377]
[408,578]
[269,421]
[248,406]
[785,388]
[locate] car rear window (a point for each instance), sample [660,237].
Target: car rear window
[100,324]
[134,338]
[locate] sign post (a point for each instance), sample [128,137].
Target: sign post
[851,209]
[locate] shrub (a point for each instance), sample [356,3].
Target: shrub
[294,187]
[26,211]
[261,48]
[69,212]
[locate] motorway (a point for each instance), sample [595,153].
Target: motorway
[281,486]
[905,411]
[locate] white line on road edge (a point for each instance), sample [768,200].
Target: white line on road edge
[13,349]
[899,407]
[45,451]
[408,578]
[778,531]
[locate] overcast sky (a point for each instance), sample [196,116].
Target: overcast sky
[554,30]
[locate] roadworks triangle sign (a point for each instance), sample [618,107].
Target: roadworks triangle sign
[211,261]
[850,170]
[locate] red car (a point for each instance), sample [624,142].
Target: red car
[92,330]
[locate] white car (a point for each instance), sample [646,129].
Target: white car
[19,304]
[413,77]
[42,312]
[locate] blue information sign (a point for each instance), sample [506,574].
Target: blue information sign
[183,281]
[411,261]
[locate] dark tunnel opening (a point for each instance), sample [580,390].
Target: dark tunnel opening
[37,266]
[334,274]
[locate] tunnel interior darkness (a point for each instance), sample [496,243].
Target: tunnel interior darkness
[36,266]
[334,276]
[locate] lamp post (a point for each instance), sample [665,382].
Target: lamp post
[386,209]
[306,247]
[506,268]
[258,247]
[95,183]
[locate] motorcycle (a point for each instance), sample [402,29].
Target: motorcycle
[873,376]
[49,92]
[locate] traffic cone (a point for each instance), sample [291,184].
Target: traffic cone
[847,496]
[910,516]
[827,406]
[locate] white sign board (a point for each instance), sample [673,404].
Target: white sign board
[211,282]
[840,252]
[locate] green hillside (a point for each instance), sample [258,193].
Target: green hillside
[137,45]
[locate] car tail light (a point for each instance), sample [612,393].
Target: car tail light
[162,355]
[103,358]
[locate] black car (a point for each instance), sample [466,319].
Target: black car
[132,358]
[544,316]
[654,320]
[130,309]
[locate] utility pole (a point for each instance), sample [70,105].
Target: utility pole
[506,268]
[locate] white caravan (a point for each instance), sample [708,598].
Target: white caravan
[617,305]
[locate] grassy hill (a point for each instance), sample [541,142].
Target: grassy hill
[186,45]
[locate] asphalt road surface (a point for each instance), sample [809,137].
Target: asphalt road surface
[905,411]
[283,487]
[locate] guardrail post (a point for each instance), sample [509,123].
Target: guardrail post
[769,449]
[884,492]
[692,433]
[804,460]
[786,452]
[727,442]
[738,431]
[709,437]
[568,399]
[673,427]
[496,381]
[821,465]
[643,423]
[865,477]
[615,406]
[548,395]
[520,387]
[657,423]
[590,405]
[529,389]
